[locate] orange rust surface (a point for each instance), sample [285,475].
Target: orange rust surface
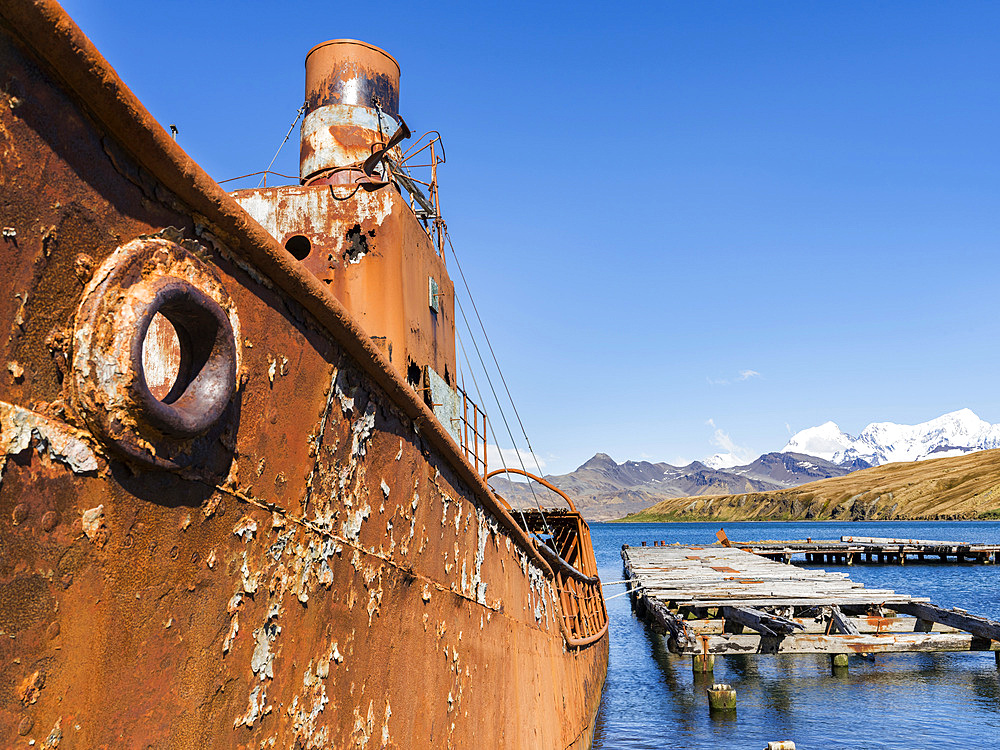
[879,623]
[342,558]
[332,63]
[372,253]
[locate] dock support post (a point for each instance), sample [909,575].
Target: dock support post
[838,662]
[702,663]
[996,658]
[721,698]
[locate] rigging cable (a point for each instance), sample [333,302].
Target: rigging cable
[489,426]
[492,353]
[298,114]
[503,416]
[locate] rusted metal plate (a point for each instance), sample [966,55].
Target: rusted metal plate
[377,259]
[331,574]
[352,103]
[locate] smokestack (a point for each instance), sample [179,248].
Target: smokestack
[352,102]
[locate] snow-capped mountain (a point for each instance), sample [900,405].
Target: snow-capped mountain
[604,489]
[953,434]
[723,461]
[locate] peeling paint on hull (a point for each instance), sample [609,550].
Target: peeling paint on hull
[335,576]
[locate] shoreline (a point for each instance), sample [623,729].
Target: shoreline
[672,518]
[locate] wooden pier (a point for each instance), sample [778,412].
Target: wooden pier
[727,600]
[867,549]
[872,550]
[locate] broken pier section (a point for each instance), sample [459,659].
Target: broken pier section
[722,601]
[870,549]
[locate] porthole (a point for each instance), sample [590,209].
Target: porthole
[299,246]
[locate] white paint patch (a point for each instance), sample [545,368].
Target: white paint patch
[262,661]
[352,525]
[385,724]
[250,582]
[245,528]
[255,709]
[93,520]
[361,432]
[304,718]
[234,629]
[19,426]
[478,586]
[55,736]
[344,392]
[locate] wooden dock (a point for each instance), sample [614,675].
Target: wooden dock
[872,550]
[880,550]
[718,600]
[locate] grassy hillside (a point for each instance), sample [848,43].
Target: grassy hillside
[942,488]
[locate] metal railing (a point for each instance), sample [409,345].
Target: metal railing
[562,537]
[425,200]
[584,614]
[472,433]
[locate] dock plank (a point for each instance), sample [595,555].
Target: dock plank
[704,597]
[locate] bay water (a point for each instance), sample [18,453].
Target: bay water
[907,701]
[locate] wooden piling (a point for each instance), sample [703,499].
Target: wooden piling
[721,697]
[702,663]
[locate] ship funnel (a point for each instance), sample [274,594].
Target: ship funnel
[352,103]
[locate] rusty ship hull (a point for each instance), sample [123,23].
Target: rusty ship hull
[293,553]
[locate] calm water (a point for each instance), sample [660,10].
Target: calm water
[907,701]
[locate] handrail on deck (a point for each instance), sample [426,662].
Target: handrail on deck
[560,565]
[472,435]
[584,613]
[541,481]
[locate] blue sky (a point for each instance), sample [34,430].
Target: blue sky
[649,200]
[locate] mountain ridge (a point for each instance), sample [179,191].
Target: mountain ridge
[605,490]
[950,488]
[954,433]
